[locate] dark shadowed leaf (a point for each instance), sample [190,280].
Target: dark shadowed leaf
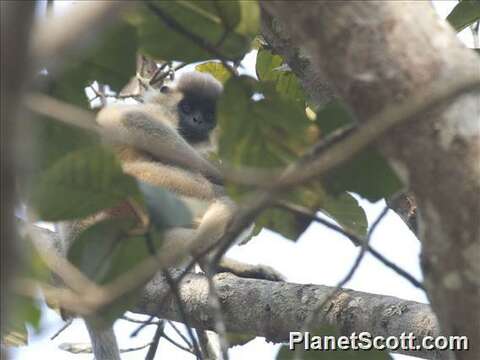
[333,116]
[105,251]
[222,25]
[344,209]
[53,140]
[110,61]
[464,14]
[367,174]
[165,208]
[80,184]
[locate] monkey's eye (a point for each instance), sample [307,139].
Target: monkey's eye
[186,108]
[164,89]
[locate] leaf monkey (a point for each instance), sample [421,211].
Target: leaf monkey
[180,120]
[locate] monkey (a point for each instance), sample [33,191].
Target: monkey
[178,121]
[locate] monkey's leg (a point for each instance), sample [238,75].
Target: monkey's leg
[212,227]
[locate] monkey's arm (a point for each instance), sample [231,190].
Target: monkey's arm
[133,125]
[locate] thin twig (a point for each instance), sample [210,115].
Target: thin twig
[351,272]
[198,40]
[179,333]
[354,238]
[62,329]
[214,301]
[341,151]
[206,344]
[182,312]
[152,350]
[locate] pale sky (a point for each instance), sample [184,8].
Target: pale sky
[320,256]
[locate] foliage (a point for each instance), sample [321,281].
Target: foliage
[464,14]
[263,124]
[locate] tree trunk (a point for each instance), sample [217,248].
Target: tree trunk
[378,53]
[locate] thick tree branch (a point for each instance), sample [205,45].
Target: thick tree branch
[376,54]
[272,309]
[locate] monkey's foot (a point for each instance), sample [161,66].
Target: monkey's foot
[262,272]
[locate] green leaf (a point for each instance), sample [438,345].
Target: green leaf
[217,69]
[289,225]
[54,139]
[333,116]
[367,174]
[23,311]
[165,208]
[464,14]
[104,251]
[80,184]
[268,68]
[346,211]
[258,126]
[179,30]
[112,61]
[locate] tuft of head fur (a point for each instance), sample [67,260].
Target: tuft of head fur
[199,85]
[194,84]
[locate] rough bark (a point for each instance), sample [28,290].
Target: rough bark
[272,309]
[374,54]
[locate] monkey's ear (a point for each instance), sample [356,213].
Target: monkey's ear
[165,89]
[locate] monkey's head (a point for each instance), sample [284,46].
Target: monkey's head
[192,103]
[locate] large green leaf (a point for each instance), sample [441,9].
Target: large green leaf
[258,126]
[105,251]
[344,209]
[80,184]
[268,68]
[111,61]
[367,174]
[333,116]
[464,14]
[184,30]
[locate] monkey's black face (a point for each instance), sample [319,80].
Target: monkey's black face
[196,118]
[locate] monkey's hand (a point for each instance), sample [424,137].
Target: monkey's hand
[262,272]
